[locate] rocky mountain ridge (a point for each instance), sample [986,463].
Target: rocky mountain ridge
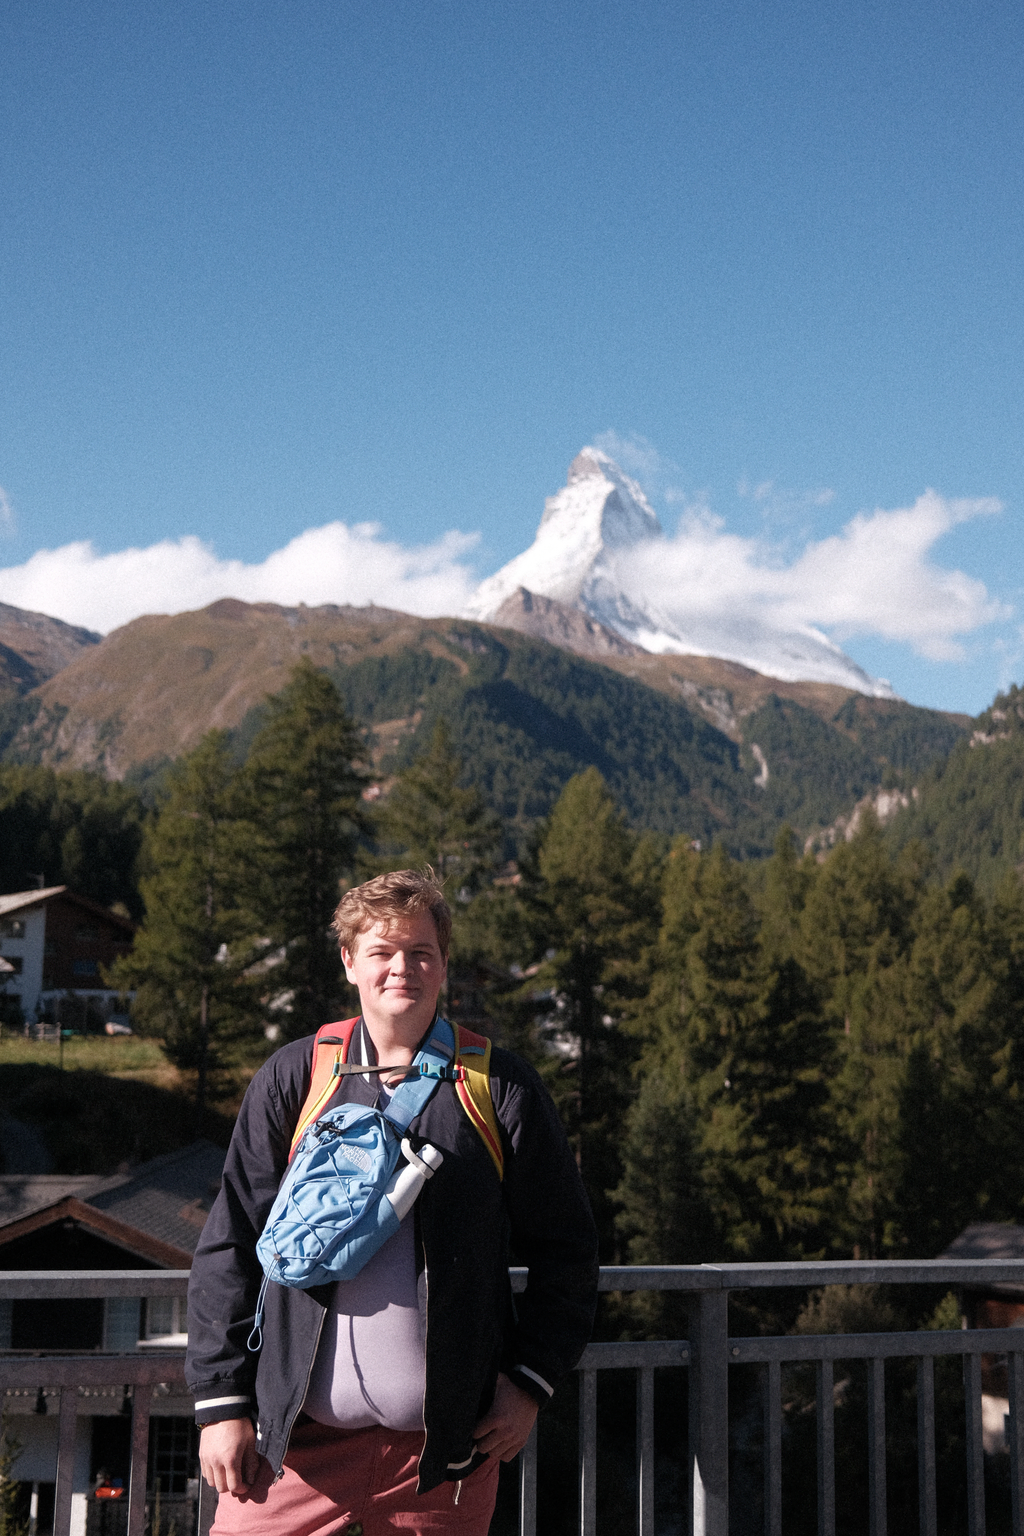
[34,647]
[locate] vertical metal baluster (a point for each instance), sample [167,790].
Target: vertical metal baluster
[142,1397]
[926,1504]
[527,1486]
[645,1450]
[826,1404]
[588,1453]
[975,1447]
[876,1448]
[206,1507]
[771,1418]
[65,1461]
[1015,1436]
[709,1415]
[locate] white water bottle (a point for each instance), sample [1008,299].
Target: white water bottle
[405,1183]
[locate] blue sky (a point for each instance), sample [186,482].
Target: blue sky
[266,268]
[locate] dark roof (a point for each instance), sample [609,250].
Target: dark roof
[165,1202]
[990,1240]
[170,1197]
[130,1240]
[22,1194]
[987,1240]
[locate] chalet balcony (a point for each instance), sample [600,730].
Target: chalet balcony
[701,1413]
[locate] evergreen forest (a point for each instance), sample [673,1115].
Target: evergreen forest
[799,1055]
[794,1056]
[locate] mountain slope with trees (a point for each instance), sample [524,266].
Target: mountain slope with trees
[968,808]
[674,736]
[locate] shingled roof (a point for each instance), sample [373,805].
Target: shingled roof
[990,1240]
[166,1201]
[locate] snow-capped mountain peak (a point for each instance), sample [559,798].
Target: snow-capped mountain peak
[581,557]
[598,509]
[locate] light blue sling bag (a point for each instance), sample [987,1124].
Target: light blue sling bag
[344,1195]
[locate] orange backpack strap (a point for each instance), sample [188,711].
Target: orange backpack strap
[330,1049]
[473,1055]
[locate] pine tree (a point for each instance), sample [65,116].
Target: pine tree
[191,954]
[10,1449]
[858,929]
[733,1030]
[74,829]
[593,909]
[303,789]
[430,818]
[956,1104]
[664,1214]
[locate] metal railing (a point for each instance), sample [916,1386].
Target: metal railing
[709,1353]
[140,1373]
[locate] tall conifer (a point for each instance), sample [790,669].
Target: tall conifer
[429,817]
[190,958]
[593,909]
[304,789]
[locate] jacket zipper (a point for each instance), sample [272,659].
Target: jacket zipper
[426,1330]
[298,1409]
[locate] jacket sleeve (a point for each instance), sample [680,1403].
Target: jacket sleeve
[226,1274]
[553,1235]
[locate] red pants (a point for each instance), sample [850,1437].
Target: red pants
[357,1482]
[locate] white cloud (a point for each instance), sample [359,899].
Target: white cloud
[337,563]
[875,577]
[6,512]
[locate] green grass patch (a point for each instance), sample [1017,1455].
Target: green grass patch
[115,1055]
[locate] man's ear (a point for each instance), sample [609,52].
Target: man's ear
[346,960]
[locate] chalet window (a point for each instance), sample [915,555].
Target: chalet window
[12,928]
[85,968]
[173,1450]
[165,1319]
[15,962]
[86,935]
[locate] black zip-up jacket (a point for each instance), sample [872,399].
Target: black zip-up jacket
[467,1222]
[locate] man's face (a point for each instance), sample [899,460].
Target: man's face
[399,970]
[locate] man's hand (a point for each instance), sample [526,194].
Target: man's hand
[505,1427]
[228,1455]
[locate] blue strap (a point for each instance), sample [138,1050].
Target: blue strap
[412,1095]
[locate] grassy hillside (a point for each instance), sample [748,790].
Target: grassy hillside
[675,736]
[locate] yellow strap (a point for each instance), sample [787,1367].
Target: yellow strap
[474,1091]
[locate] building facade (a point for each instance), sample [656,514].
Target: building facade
[59,945]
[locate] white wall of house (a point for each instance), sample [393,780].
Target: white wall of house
[28,986]
[37,1459]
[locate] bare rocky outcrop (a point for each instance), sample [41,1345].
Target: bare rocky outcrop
[545,618]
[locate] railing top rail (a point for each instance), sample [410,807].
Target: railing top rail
[735,1277]
[58,1283]
[43,1284]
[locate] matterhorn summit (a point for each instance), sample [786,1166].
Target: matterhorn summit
[599,510]
[596,538]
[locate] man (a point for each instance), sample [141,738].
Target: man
[389,1400]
